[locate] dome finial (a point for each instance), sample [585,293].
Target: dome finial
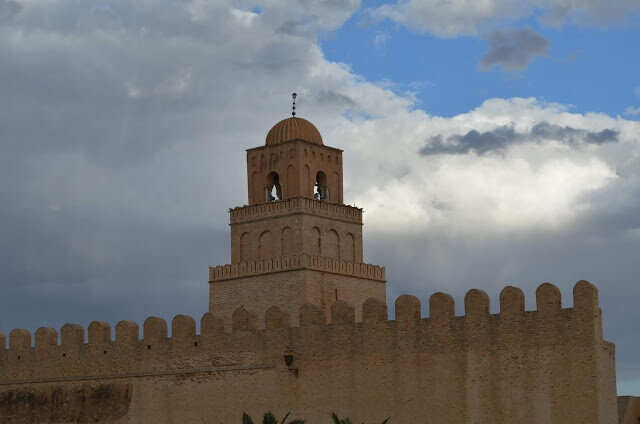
[293,96]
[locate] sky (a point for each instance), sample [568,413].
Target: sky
[490,143]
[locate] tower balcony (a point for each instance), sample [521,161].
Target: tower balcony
[296,205]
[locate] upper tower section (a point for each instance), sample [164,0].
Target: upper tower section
[294,163]
[295,200]
[295,242]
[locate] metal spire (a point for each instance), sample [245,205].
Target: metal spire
[293,112]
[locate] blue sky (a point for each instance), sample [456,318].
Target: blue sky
[592,68]
[490,143]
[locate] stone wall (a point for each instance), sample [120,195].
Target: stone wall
[628,410]
[544,366]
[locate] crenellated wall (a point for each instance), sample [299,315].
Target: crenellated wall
[549,365]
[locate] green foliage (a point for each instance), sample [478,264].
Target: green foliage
[338,420]
[269,418]
[246,419]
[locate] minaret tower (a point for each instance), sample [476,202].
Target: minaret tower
[295,242]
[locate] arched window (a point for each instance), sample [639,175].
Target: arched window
[273,188]
[349,248]
[255,187]
[245,247]
[306,181]
[265,245]
[321,187]
[335,186]
[331,247]
[291,181]
[316,242]
[286,242]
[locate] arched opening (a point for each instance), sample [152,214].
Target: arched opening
[265,245]
[316,242]
[321,187]
[286,242]
[331,248]
[306,181]
[273,189]
[245,247]
[291,182]
[255,188]
[335,187]
[349,248]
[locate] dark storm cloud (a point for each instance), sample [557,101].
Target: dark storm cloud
[8,9]
[500,138]
[513,49]
[475,141]
[120,131]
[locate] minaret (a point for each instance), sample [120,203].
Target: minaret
[296,242]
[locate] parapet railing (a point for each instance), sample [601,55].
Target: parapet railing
[331,210]
[302,261]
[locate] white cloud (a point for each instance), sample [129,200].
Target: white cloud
[468,17]
[532,185]
[633,111]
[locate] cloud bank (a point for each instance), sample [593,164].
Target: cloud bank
[469,17]
[500,138]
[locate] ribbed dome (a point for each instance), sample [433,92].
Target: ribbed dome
[293,129]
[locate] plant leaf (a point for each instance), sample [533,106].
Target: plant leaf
[246,419]
[269,418]
[284,420]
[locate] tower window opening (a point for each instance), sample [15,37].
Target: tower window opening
[273,189]
[320,188]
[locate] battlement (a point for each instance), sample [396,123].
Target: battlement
[296,205]
[245,347]
[293,262]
